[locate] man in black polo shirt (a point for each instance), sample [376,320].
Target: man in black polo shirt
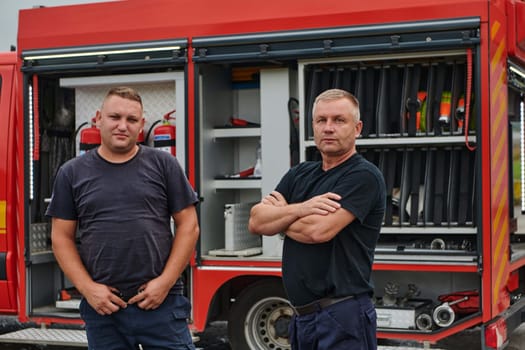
[331,213]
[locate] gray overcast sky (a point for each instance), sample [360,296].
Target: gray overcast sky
[9,16]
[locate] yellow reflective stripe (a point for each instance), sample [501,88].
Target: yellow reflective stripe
[3,209]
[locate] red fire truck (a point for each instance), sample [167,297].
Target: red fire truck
[228,89]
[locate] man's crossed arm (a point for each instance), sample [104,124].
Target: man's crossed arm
[315,220]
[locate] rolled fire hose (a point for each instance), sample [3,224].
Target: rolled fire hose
[424,321]
[438,244]
[444,315]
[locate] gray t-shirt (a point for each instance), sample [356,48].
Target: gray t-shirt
[123,212]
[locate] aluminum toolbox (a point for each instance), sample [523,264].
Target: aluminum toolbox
[236,234]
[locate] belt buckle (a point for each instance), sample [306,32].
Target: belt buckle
[122,296]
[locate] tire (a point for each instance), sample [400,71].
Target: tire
[259,318]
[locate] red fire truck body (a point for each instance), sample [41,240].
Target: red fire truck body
[441,85]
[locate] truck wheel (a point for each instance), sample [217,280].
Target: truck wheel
[259,318]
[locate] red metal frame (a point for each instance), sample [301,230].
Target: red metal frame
[131,21]
[7,69]
[420,267]
[498,156]
[124,21]
[18,214]
[206,283]
[515,32]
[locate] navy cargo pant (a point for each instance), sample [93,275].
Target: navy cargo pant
[347,325]
[133,328]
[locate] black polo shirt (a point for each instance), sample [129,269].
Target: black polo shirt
[341,266]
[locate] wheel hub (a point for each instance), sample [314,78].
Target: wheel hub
[267,324]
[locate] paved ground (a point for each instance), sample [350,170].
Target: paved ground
[215,338]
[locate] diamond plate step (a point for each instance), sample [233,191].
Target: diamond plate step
[77,338]
[48,336]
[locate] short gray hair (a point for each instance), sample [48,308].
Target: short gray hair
[336,94]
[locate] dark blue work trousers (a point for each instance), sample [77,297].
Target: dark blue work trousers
[133,328]
[347,325]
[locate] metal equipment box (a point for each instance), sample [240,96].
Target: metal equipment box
[401,317]
[236,234]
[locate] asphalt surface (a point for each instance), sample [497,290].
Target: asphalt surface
[215,337]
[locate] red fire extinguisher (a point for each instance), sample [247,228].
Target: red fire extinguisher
[141,138]
[164,136]
[89,137]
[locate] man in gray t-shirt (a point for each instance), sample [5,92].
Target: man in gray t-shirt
[121,198]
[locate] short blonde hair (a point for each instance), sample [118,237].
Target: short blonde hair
[336,94]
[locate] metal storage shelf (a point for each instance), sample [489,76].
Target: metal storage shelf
[237,184]
[408,141]
[236,132]
[42,257]
[428,230]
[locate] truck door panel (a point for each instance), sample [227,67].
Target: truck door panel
[7,235]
